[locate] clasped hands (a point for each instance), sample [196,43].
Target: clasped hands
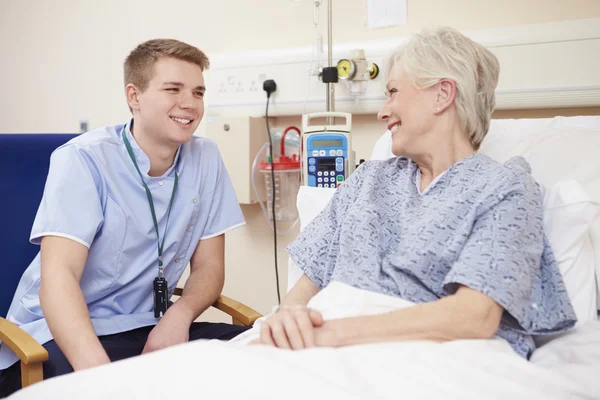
[296,328]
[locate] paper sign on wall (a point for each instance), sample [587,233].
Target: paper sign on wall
[385,13]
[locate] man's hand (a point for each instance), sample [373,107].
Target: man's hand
[291,328]
[90,361]
[173,328]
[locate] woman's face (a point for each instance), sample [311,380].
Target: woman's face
[410,115]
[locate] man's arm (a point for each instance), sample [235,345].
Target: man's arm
[62,264]
[467,314]
[202,288]
[206,280]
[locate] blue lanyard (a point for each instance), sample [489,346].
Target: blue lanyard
[161,245]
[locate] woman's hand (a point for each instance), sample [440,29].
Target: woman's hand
[291,328]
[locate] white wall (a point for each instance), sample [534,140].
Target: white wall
[61,59]
[62,63]
[551,64]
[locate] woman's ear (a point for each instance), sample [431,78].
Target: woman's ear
[446,94]
[132,95]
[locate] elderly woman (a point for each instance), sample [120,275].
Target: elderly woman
[441,225]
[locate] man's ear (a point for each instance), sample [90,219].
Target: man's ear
[446,95]
[132,94]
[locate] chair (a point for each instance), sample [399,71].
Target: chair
[24,162]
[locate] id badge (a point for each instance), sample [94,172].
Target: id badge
[160,297]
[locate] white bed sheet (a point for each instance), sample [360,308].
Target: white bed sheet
[567,368]
[575,354]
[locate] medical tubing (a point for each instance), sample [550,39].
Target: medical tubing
[282,153]
[273,197]
[282,143]
[258,156]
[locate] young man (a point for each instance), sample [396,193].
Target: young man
[125,209]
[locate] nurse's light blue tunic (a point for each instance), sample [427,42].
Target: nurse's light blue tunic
[480,225]
[95,196]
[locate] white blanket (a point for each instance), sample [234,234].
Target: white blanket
[470,369]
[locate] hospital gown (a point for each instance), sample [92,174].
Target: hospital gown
[479,225]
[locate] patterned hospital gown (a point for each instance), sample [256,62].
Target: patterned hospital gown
[479,225]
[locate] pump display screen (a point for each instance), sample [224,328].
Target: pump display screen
[326,164]
[327,143]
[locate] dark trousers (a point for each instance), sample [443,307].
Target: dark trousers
[118,347]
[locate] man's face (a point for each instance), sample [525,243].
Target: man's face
[172,106]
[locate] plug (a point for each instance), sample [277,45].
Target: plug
[269,86]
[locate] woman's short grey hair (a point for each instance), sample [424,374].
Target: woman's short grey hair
[439,53]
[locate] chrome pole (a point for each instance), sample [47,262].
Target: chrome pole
[330,85]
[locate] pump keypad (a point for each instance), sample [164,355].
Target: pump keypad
[330,173]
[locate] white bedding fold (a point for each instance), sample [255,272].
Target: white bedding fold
[468,369]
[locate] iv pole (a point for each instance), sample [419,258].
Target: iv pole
[330,85]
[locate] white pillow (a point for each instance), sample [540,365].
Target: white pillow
[557,149]
[383,147]
[568,214]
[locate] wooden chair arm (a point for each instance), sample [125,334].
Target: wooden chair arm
[30,352]
[19,341]
[33,355]
[241,314]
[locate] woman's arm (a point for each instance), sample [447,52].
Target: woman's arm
[467,314]
[315,250]
[301,293]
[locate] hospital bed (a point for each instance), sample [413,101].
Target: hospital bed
[24,162]
[564,155]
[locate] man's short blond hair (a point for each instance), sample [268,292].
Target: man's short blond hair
[445,53]
[139,63]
